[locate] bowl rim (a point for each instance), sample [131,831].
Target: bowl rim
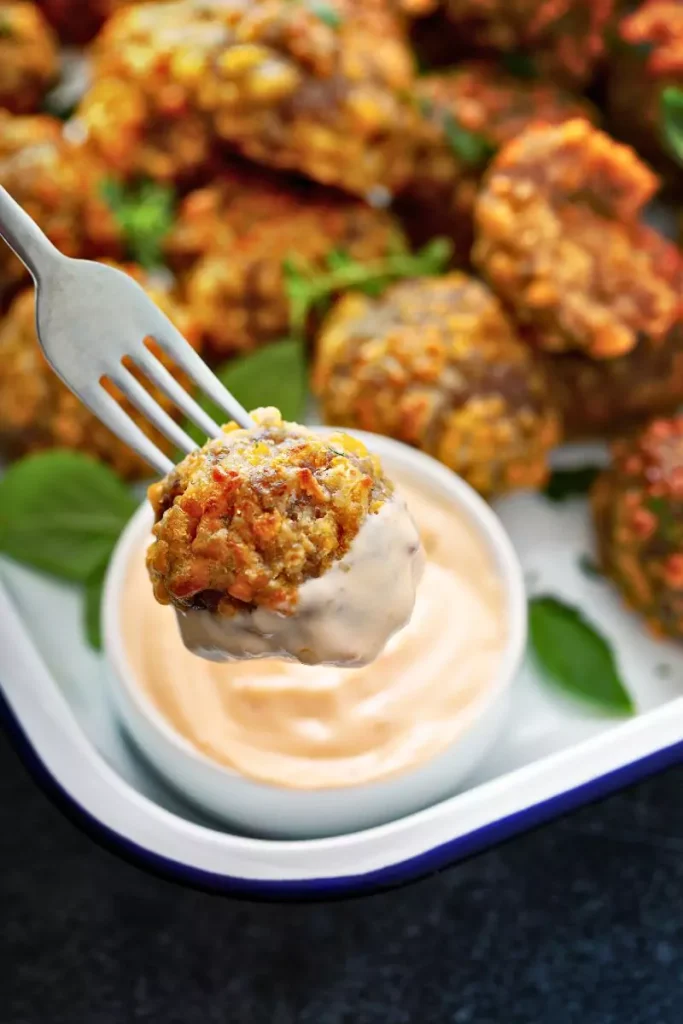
[415,462]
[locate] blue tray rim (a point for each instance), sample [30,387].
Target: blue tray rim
[401,873]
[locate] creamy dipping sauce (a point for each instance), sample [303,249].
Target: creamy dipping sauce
[344,617]
[319,727]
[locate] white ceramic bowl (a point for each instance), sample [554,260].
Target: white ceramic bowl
[268,810]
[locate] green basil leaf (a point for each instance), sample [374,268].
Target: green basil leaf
[273,375]
[61,512]
[672,120]
[145,215]
[94,587]
[473,149]
[327,15]
[575,656]
[571,483]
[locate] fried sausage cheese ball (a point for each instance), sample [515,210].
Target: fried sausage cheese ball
[647,59]
[466,114]
[638,512]
[232,240]
[37,411]
[28,57]
[566,37]
[321,89]
[560,240]
[600,397]
[247,523]
[436,363]
[59,185]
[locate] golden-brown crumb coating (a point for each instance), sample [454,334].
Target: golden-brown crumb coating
[566,37]
[466,115]
[638,512]
[317,88]
[647,58]
[58,184]
[37,411]
[436,363]
[599,397]
[559,239]
[28,57]
[244,521]
[232,239]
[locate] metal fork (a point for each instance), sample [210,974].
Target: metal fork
[89,318]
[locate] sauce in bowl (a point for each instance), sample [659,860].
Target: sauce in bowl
[306,727]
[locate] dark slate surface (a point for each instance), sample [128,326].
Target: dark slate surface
[578,923]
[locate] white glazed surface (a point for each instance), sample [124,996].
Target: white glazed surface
[551,746]
[262,809]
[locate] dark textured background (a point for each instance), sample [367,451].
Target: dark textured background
[578,923]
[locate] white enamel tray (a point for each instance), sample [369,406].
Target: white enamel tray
[555,754]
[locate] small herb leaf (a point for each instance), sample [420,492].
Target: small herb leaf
[309,289]
[327,15]
[473,149]
[575,656]
[571,483]
[273,375]
[145,216]
[61,512]
[336,259]
[94,587]
[672,120]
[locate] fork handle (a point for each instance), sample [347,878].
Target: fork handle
[24,237]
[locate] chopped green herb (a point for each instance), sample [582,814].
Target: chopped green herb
[273,375]
[327,15]
[145,215]
[6,30]
[590,568]
[672,121]
[571,483]
[575,656]
[470,147]
[310,290]
[337,258]
[668,525]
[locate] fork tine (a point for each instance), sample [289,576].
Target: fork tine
[172,342]
[150,409]
[119,422]
[158,375]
